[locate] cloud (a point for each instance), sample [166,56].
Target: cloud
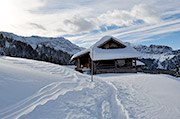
[145,13]
[116,17]
[29,4]
[38,26]
[16,15]
[133,34]
[80,17]
[78,24]
[125,17]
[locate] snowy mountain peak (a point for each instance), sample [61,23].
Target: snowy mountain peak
[158,56]
[153,49]
[159,49]
[58,43]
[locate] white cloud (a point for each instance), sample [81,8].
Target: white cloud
[116,17]
[61,17]
[145,13]
[29,4]
[16,16]
[125,17]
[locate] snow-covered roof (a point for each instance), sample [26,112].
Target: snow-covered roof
[97,53]
[80,53]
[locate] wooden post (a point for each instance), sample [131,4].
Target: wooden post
[78,65]
[115,64]
[135,65]
[92,70]
[177,69]
[89,63]
[92,65]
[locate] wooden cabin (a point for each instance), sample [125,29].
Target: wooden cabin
[108,55]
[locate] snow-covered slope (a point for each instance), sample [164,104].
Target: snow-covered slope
[146,96]
[33,90]
[58,43]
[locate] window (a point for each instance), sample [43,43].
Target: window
[121,63]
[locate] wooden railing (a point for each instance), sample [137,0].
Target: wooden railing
[104,66]
[108,66]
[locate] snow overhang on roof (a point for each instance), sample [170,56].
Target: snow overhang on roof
[80,53]
[97,53]
[139,63]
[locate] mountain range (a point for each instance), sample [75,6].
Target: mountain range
[159,57]
[56,50]
[59,50]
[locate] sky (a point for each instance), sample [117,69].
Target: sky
[83,22]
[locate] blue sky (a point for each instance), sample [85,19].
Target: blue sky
[169,39]
[85,21]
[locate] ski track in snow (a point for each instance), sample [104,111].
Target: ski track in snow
[110,96]
[118,100]
[48,92]
[136,101]
[105,104]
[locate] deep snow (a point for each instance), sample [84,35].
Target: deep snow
[33,90]
[147,96]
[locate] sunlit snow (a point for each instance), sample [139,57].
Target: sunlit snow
[33,90]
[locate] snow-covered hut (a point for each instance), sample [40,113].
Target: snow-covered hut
[108,55]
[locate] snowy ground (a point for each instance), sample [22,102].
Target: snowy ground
[146,96]
[39,90]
